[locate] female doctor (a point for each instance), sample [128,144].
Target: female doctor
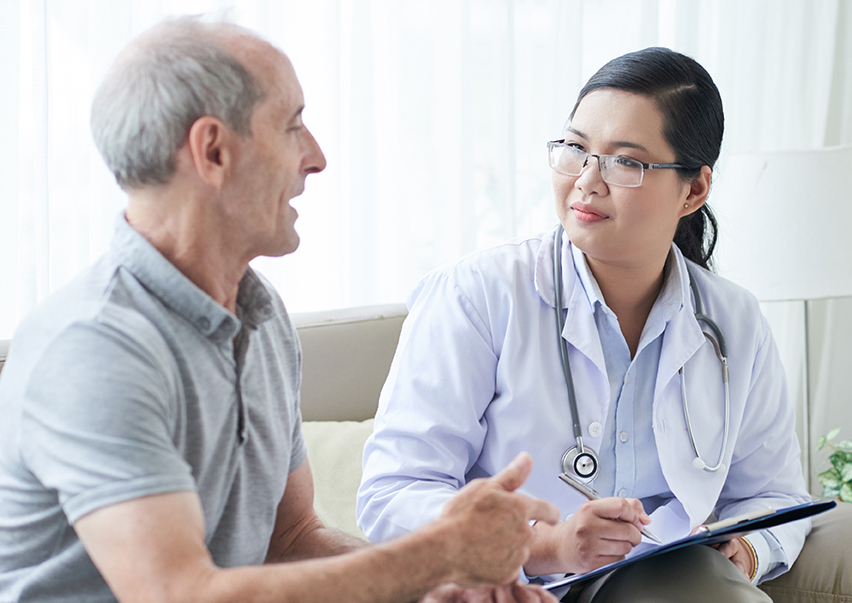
[680,408]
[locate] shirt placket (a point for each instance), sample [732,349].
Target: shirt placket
[625,457]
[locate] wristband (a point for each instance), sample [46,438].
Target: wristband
[753,558]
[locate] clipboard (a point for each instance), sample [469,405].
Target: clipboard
[721,531]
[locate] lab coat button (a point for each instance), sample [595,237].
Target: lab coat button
[595,429]
[622,493]
[623,436]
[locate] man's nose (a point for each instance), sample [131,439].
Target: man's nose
[315,159]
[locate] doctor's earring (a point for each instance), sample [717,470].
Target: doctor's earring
[686,205]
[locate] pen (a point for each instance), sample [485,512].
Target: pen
[592,494]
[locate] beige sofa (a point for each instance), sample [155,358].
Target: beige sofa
[346,356]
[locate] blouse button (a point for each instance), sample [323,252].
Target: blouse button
[595,429]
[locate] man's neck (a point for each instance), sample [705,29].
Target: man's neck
[185,231]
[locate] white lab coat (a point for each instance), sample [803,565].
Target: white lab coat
[477,379]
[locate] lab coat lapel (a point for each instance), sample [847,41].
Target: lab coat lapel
[682,339]
[580,330]
[683,334]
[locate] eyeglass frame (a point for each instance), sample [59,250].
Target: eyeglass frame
[645,166]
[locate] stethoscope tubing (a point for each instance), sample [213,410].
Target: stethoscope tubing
[563,349]
[716,339]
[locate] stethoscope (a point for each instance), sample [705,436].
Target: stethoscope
[581,460]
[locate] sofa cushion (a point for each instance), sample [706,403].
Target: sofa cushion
[821,573]
[334,450]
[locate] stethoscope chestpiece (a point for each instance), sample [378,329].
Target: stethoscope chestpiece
[584,465]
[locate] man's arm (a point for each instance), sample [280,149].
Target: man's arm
[153,549]
[299,533]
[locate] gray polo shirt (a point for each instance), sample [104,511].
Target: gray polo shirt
[131,381]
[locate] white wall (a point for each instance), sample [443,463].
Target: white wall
[433,116]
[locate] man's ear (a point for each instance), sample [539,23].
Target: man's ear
[698,191]
[209,144]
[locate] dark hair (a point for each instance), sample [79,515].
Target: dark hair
[693,123]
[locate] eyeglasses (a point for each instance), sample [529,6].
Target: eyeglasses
[621,171]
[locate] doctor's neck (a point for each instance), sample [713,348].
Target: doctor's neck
[630,292]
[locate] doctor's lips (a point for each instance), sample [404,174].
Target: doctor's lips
[586,213]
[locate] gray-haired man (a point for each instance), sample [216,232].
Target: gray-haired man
[151,448]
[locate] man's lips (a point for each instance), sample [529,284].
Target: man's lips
[586,213]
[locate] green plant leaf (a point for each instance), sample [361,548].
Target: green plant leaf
[832,434]
[830,479]
[846,493]
[847,444]
[830,492]
[846,474]
[821,442]
[839,459]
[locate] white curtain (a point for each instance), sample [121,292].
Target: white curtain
[433,116]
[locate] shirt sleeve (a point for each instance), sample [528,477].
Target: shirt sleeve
[769,553]
[100,417]
[429,428]
[293,372]
[766,468]
[299,450]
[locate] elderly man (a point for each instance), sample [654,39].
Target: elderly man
[150,448]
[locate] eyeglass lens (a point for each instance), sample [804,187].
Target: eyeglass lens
[616,170]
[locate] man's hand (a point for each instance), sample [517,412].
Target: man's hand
[510,593]
[489,525]
[740,554]
[600,532]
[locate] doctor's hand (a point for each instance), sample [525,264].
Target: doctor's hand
[739,553]
[485,529]
[600,532]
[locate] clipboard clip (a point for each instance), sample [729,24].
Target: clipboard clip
[732,521]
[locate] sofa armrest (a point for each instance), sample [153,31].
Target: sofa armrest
[346,355]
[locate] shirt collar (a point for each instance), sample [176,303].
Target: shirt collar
[587,280]
[669,301]
[672,297]
[158,275]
